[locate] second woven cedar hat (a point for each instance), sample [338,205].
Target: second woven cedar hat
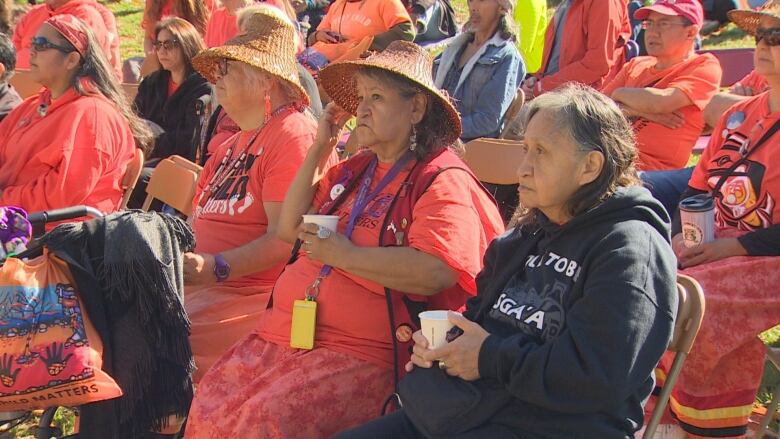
[748,20]
[269,47]
[402,58]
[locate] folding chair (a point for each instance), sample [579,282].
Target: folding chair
[132,173]
[773,354]
[736,63]
[511,113]
[690,312]
[494,161]
[130,90]
[24,84]
[173,182]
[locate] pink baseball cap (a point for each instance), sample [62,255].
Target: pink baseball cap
[690,9]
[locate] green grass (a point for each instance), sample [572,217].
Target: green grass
[128,22]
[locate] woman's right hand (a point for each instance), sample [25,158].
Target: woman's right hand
[328,36]
[678,244]
[329,126]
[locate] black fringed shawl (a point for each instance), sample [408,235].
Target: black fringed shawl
[128,269]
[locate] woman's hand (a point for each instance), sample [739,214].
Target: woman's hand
[709,252]
[198,269]
[329,127]
[460,356]
[330,250]
[328,36]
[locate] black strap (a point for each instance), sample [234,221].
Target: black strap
[744,156]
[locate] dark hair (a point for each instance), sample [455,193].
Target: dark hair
[94,65]
[193,11]
[506,28]
[595,123]
[6,21]
[7,57]
[189,40]
[433,126]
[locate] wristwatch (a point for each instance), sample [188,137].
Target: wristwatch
[221,268]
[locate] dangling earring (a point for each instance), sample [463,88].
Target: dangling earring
[267,107]
[413,139]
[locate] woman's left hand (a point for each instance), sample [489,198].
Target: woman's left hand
[198,269]
[460,356]
[330,250]
[710,252]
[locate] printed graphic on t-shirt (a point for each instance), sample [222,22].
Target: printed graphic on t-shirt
[538,313]
[743,202]
[234,196]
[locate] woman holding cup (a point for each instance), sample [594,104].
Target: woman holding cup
[411,219]
[236,208]
[739,176]
[574,307]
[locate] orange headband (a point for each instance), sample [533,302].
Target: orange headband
[72,29]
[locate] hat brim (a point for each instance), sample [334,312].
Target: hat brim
[338,80]
[206,63]
[747,20]
[644,12]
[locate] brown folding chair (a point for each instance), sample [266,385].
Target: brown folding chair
[511,113]
[24,84]
[690,312]
[773,355]
[494,161]
[130,90]
[132,173]
[173,182]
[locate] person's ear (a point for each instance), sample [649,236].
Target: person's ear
[693,32]
[72,60]
[419,105]
[591,167]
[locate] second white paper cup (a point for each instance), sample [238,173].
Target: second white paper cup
[434,327]
[330,222]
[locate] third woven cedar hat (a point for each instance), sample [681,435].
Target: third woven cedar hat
[269,47]
[748,20]
[402,58]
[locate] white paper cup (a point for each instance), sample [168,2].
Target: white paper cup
[330,222]
[434,327]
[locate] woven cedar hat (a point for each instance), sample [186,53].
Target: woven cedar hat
[270,47]
[748,20]
[402,58]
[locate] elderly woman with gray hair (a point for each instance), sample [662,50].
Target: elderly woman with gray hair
[574,307]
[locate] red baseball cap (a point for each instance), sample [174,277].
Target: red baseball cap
[690,9]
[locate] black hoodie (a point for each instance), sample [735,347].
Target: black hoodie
[175,114]
[579,315]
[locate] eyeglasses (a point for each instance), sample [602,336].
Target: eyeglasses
[663,25]
[167,45]
[39,44]
[770,36]
[222,66]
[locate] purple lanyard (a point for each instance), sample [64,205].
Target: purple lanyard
[361,202]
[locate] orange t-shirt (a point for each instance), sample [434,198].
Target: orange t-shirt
[453,220]
[222,27]
[749,197]
[76,154]
[356,20]
[148,22]
[233,214]
[90,12]
[698,77]
[755,81]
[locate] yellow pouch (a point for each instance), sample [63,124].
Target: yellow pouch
[304,320]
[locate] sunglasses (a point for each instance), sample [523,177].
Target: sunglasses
[167,44]
[39,44]
[222,67]
[770,36]
[662,25]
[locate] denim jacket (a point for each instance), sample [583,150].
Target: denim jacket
[487,84]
